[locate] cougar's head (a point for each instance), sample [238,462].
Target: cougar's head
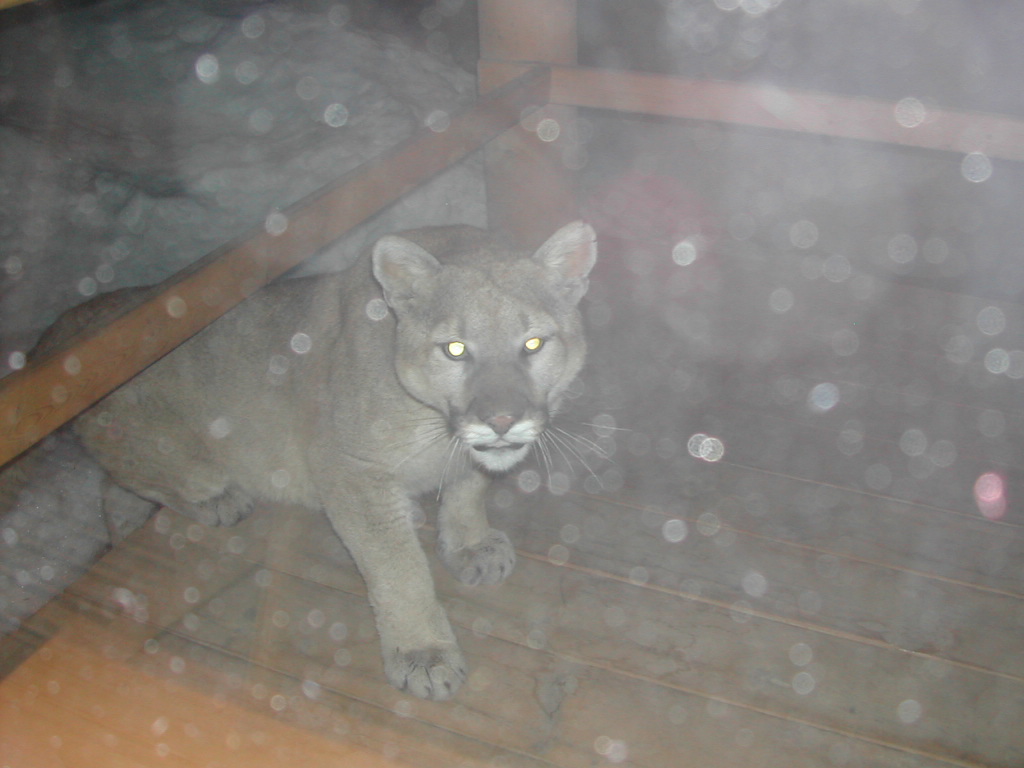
[489,338]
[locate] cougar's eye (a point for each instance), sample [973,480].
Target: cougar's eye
[534,344]
[454,349]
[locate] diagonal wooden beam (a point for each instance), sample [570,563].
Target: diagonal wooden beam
[905,123]
[39,398]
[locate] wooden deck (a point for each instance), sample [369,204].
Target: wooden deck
[827,593]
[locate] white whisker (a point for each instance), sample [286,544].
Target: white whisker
[559,440]
[585,442]
[605,426]
[547,436]
[454,444]
[542,449]
[421,442]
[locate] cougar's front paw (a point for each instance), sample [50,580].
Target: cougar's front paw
[229,508]
[429,673]
[489,562]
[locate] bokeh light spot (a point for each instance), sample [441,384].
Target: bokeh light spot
[990,495]
[976,167]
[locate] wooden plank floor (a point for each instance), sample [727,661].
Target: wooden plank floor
[830,592]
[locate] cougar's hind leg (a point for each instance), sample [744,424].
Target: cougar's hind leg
[123,511]
[164,462]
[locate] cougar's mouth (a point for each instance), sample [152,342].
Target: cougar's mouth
[501,447]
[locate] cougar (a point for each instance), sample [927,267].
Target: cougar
[433,364]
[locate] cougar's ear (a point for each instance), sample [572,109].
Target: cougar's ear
[403,269]
[568,256]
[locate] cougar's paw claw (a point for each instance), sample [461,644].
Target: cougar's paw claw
[489,562]
[428,673]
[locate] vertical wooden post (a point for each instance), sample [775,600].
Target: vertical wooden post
[531,188]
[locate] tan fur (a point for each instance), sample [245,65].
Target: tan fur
[336,392]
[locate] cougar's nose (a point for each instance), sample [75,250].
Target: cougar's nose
[501,423]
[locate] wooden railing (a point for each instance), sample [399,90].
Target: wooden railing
[39,398]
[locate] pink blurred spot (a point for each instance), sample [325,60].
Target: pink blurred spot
[990,495]
[650,207]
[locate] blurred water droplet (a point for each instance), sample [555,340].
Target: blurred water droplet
[208,69]
[160,726]
[528,480]
[674,531]
[942,453]
[902,249]
[991,321]
[851,438]
[836,268]
[261,120]
[276,223]
[87,286]
[639,575]
[823,397]
[913,442]
[335,115]
[990,495]
[278,365]
[754,584]
[909,711]
[740,612]
[558,554]
[438,121]
[570,533]
[247,72]
[613,750]
[338,631]
[548,129]
[253,26]
[781,300]
[976,167]
[800,654]
[1016,367]
[708,524]
[910,112]
[684,253]
[705,447]
[176,307]
[997,360]
[301,343]
[803,234]
[803,683]
[559,483]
